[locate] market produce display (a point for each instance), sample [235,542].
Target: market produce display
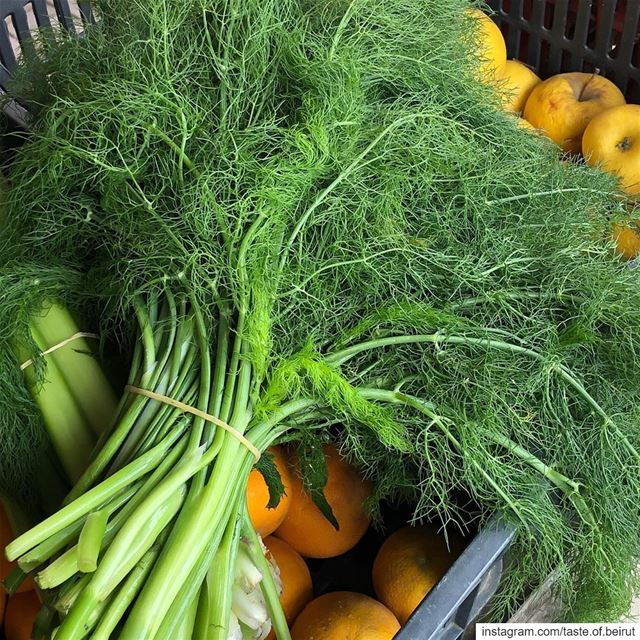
[311,226]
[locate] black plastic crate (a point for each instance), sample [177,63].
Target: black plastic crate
[465,590]
[554,36]
[19,18]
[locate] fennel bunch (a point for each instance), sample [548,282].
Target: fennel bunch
[310,221]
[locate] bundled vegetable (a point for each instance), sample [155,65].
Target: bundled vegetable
[49,363]
[317,225]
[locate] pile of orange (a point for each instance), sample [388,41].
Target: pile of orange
[408,565]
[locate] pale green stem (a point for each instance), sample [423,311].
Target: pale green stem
[197,575]
[90,500]
[179,151]
[80,370]
[60,570]
[125,596]
[195,436]
[65,566]
[539,194]
[186,623]
[134,540]
[90,540]
[566,375]
[343,175]
[342,356]
[70,594]
[569,487]
[232,371]
[106,453]
[212,622]
[174,567]
[268,585]
[434,338]
[180,606]
[401,398]
[72,437]
[220,366]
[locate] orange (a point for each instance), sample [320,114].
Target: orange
[612,140]
[6,567]
[627,241]
[264,519]
[20,615]
[408,565]
[307,530]
[491,48]
[563,106]
[297,589]
[516,82]
[345,616]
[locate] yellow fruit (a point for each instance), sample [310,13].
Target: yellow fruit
[491,47]
[297,589]
[345,616]
[515,83]
[408,565]
[265,520]
[307,530]
[564,105]
[627,241]
[612,140]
